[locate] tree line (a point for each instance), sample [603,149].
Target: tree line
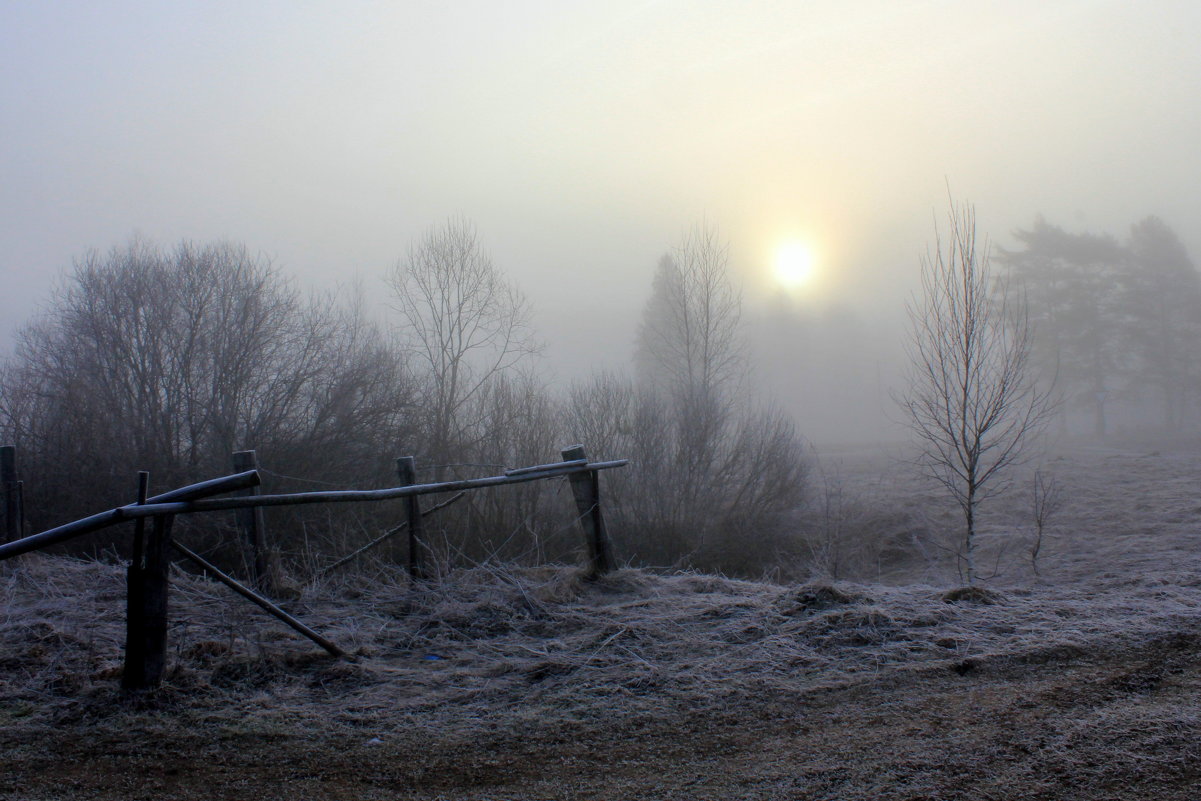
[169,359]
[1115,323]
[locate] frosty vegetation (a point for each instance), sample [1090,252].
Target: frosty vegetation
[1081,680]
[169,359]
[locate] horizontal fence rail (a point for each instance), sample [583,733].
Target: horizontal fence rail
[177,501]
[86,525]
[541,468]
[152,508]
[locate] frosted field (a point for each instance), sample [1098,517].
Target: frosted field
[499,682]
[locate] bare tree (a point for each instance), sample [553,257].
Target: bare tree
[690,340]
[690,354]
[517,423]
[712,472]
[1046,500]
[972,400]
[169,360]
[730,516]
[467,324]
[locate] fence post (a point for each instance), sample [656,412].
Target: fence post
[252,526]
[158,563]
[20,509]
[13,513]
[585,486]
[133,673]
[146,621]
[406,468]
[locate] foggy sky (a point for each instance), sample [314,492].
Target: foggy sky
[582,139]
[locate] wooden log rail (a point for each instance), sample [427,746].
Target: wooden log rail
[95,522]
[258,600]
[177,502]
[160,507]
[582,473]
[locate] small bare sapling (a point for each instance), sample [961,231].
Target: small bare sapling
[1046,501]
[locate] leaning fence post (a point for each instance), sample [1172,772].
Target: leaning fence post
[585,486]
[12,493]
[406,467]
[251,524]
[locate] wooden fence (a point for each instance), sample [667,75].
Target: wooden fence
[148,576]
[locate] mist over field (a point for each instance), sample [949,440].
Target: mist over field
[762,400]
[584,141]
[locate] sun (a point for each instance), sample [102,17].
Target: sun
[793,266]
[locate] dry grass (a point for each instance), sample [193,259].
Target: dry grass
[496,653]
[500,647]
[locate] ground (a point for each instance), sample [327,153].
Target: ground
[498,682]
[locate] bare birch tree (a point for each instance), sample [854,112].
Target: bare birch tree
[972,400]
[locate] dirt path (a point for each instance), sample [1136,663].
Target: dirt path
[1125,726]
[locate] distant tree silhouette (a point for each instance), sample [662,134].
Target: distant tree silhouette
[690,350]
[1162,315]
[712,472]
[1112,318]
[1072,286]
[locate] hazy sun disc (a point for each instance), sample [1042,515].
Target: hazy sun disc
[794,265]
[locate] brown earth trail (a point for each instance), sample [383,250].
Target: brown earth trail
[1110,726]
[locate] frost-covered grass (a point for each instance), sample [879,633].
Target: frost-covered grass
[496,649]
[1127,516]
[494,645]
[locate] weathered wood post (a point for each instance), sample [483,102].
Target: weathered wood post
[585,486]
[157,587]
[11,489]
[146,615]
[406,468]
[252,526]
[132,675]
[20,509]
[149,587]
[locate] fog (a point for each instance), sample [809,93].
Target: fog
[584,140]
